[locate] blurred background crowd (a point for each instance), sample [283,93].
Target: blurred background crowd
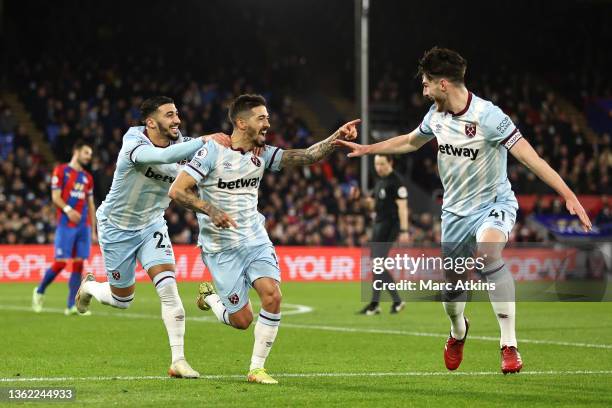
[565,114]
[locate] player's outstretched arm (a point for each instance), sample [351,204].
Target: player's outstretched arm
[183,192]
[524,152]
[320,150]
[172,154]
[396,145]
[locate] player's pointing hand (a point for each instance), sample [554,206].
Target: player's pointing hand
[357,150]
[575,208]
[349,130]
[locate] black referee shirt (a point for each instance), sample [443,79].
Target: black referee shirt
[386,191]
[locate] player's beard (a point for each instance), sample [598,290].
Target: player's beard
[167,132]
[260,142]
[258,139]
[83,162]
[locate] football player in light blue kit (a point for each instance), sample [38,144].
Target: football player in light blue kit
[235,245]
[131,223]
[479,205]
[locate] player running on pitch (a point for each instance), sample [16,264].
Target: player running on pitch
[479,205]
[131,221]
[72,194]
[235,245]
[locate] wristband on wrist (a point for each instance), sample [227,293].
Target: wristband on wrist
[66,208]
[404,230]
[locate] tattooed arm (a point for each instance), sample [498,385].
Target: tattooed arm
[320,150]
[182,191]
[306,157]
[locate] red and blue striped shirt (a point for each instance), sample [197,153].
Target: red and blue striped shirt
[76,187]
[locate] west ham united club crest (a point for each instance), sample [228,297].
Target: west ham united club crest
[234,299]
[256,161]
[116,275]
[470,129]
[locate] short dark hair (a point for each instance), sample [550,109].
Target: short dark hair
[443,63]
[244,103]
[150,105]
[80,143]
[389,157]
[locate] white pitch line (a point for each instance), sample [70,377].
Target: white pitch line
[300,309]
[425,334]
[294,310]
[311,375]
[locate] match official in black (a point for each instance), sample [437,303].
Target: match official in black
[390,201]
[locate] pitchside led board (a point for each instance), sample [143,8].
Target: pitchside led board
[27,263]
[566,272]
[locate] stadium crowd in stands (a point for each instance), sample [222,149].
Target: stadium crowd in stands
[309,206]
[583,162]
[96,106]
[25,213]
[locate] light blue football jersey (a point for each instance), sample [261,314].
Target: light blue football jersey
[229,179]
[472,154]
[138,195]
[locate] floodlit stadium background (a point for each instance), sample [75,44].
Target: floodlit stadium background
[73,69]
[75,73]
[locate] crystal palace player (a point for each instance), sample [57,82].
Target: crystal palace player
[72,194]
[242,257]
[479,205]
[132,226]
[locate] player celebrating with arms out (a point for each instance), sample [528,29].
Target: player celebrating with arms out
[479,206]
[242,256]
[132,225]
[72,194]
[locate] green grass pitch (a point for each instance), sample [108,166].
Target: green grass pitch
[323,356]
